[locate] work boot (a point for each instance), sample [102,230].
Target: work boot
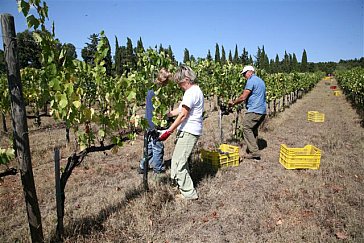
[252,156]
[181,197]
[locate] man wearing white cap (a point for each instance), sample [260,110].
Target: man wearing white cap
[255,99]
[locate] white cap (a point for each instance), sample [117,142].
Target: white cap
[247,68]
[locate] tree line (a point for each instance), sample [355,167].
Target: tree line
[126,57]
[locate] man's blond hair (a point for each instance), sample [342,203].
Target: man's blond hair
[163,76]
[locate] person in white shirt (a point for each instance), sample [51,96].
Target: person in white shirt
[188,123]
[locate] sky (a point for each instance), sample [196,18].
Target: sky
[329,30]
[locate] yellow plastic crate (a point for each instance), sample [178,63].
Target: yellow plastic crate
[315,116]
[337,93]
[227,155]
[307,157]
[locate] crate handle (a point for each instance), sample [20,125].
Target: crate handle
[222,152]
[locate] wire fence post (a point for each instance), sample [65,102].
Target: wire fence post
[60,210]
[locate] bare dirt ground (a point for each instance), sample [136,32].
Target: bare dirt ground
[257,201]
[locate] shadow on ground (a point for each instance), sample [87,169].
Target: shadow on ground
[88,225]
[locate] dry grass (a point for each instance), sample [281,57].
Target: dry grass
[254,202]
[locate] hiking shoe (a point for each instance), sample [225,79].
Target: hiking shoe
[181,197]
[251,156]
[173,183]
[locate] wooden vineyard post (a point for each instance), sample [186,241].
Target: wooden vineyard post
[20,128]
[146,161]
[236,124]
[3,117]
[59,201]
[220,125]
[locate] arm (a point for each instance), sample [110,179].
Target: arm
[241,98]
[180,118]
[174,112]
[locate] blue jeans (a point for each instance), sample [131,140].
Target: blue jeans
[155,156]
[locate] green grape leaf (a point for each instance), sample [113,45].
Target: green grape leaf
[101,133]
[32,22]
[77,104]
[64,102]
[23,7]
[131,96]
[54,83]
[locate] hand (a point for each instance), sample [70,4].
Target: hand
[231,103]
[170,120]
[165,134]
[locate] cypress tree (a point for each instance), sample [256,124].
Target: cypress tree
[285,66]
[290,62]
[272,66]
[108,58]
[170,54]
[186,56]
[117,58]
[131,60]
[264,61]
[245,58]
[223,55]
[304,64]
[250,61]
[277,65]
[236,55]
[294,63]
[230,57]
[123,59]
[258,58]
[217,54]
[140,47]
[209,57]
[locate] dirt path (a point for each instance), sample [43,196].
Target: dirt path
[258,201]
[263,202]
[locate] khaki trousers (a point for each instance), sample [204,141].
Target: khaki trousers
[251,122]
[179,165]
